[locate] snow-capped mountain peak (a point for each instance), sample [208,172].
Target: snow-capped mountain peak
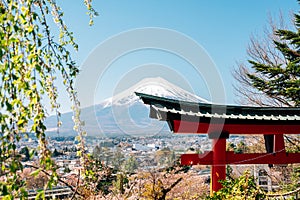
[153,86]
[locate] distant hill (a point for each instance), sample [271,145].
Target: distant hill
[124,114]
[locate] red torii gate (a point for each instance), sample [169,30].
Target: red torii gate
[219,121]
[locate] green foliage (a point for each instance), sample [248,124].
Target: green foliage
[120,183]
[118,159]
[31,60]
[294,180]
[280,80]
[98,177]
[238,148]
[243,187]
[130,165]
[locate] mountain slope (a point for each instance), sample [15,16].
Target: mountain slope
[125,114]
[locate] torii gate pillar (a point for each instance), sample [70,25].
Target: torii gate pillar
[218,170]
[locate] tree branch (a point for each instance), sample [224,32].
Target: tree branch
[59,179]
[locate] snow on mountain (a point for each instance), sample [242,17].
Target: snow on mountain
[153,86]
[125,113]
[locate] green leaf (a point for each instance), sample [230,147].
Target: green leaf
[35,173]
[40,195]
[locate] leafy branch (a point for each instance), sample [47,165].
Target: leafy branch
[32,59]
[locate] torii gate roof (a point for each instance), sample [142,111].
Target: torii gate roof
[194,117]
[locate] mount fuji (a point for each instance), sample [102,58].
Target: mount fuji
[125,113]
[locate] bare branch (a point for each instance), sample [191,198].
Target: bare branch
[261,49]
[59,179]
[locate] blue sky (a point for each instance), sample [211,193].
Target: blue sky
[222,28]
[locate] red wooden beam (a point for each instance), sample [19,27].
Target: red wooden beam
[243,158]
[181,126]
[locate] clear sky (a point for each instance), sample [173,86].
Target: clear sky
[221,28]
